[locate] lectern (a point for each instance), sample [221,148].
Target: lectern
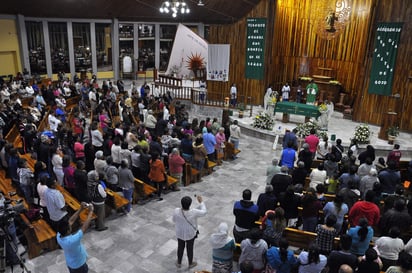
[389,119]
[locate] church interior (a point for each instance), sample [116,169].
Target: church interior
[332,43]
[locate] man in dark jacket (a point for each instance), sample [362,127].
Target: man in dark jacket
[246,213]
[267,200]
[281,181]
[389,178]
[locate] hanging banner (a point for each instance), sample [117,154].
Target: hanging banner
[384,58]
[218,62]
[255,48]
[188,47]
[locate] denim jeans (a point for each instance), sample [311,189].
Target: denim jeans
[128,194]
[83,269]
[235,142]
[198,165]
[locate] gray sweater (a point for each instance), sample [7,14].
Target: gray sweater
[126,178]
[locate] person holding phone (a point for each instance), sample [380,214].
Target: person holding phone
[74,251]
[185,220]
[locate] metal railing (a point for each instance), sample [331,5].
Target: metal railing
[201,97]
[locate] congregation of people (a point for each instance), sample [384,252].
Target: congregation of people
[323,190]
[110,137]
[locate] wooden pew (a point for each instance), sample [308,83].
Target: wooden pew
[39,235]
[171,181]
[13,137]
[74,204]
[142,190]
[230,151]
[209,165]
[299,238]
[191,175]
[115,200]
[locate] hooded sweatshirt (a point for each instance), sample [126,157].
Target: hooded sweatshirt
[366,209]
[246,213]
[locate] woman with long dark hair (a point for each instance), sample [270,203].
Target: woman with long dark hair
[311,261]
[281,259]
[361,236]
[311,206]
[273,225]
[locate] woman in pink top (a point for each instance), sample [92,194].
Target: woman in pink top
[78,149]
[220,141]
[104,120]
[176,163]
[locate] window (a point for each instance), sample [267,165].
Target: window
[82,47]
[104,47]
[146,47]
[126,35]
[167,36]
[59,47]
[35,40]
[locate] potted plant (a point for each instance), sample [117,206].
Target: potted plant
[241,108]
[393,132]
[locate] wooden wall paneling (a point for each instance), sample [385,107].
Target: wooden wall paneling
[297,50]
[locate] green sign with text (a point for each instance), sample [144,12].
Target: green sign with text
[384,58]
[255,48]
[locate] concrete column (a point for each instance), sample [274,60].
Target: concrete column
[115,48]
[47,50]
[93,47]
[71,47]
[157,45]
[24,48]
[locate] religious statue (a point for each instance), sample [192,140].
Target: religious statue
[330,21]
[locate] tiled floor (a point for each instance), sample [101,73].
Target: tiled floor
[144,240]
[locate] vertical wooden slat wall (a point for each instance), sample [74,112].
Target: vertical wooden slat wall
[297,50]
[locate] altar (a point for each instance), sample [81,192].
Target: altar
[288,107]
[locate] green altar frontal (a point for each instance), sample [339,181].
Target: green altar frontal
[297,109]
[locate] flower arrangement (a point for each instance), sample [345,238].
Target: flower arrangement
[263,121]
[322,108]
[362,133]
[303,129]
[272,101]
[321,134]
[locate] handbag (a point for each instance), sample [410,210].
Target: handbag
[197,231]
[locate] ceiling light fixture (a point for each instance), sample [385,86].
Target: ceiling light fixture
[200,3]
[174,7]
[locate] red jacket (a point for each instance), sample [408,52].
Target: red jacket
[176,163]
[365,209]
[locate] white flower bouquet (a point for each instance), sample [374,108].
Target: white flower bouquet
[263,121]
[362,133]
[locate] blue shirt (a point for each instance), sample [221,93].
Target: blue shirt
[288,157]
[359,248]
[74,251]
[209,141]
[273,258]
